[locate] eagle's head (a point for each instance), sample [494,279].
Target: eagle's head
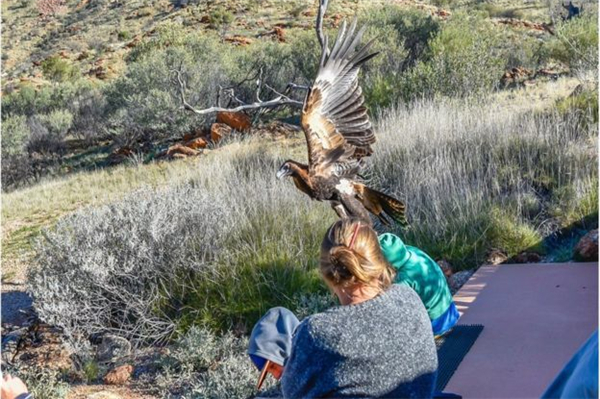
[285,170]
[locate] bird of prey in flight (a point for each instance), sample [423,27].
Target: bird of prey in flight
[339,135]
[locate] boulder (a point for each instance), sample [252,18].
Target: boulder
[236,120]
[586,249]
[196,143]
[239,40]
[280,33]
[123,151]
[527,257]
[457,280]
[446,267]
[112,348]
[218,131]
[119,375]
[496,257]
[181,151]
[103,395]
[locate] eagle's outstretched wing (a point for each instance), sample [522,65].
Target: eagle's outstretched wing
[334,117]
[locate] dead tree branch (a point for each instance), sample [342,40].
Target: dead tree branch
[278,101]
[281,99]
[319,28]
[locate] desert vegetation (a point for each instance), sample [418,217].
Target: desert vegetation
[188,254]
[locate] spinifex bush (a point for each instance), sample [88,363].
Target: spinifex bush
[219,250]
[202,364]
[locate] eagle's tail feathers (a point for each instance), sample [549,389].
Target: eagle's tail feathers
[391,206]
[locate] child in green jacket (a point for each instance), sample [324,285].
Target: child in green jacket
[417,270]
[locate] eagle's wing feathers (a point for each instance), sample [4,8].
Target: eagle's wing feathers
[334,117]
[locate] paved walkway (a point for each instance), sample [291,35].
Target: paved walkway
[535,318]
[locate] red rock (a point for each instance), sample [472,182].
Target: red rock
[218,131]
[239,40]
[182,150]
[236,120]
[196,143]
[134,42]
[336,19]
[280,33]
[124,151]
[586,249]
[119,375]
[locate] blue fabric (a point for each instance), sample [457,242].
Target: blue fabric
[579,377]
[258,361]
[446,321]
[271,337]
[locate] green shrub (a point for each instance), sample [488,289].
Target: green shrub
[145,12]
[508,232]
[401,38]
[202,364]
[575,43]
[41,382]
[521,50]
[15,134]
[58,122]
[58,69]
[29,101]
[399,27]
[583,102]
[145,102]
[490,9]
[512,13]
[464,60]
[220,17]
[124,35]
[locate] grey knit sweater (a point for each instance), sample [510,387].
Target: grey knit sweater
[382,347]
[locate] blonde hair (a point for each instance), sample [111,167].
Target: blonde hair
[361,262]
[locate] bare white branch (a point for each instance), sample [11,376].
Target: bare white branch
[282,99]
[279,101]
[319,28]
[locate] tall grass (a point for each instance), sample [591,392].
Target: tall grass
[479,176]
[221,246]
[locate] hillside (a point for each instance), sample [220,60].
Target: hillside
[96,35]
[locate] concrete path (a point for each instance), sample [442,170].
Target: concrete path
[535,318]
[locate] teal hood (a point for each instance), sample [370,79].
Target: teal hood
[394,250]
[417,270]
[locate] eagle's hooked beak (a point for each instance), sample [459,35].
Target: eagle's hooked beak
[283,172]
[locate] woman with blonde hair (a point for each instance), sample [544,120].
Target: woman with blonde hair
[378,343]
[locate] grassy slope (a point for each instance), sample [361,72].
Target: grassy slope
[25,212]
[101,33]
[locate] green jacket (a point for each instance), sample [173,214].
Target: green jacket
[417,270]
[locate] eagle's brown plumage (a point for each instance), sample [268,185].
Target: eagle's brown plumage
[339,134]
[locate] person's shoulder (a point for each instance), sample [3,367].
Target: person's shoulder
[403,293]
[314,330]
